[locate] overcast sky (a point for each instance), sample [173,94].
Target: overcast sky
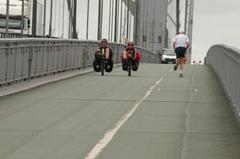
[215,21]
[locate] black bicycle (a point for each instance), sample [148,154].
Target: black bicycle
[129,64]
[102,64]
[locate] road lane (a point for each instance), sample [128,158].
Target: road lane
[177,122]
[66,119]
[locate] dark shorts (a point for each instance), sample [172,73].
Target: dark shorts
[180,52]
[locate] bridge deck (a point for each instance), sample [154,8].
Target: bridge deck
[188,118]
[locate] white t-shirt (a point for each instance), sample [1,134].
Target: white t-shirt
[181,40]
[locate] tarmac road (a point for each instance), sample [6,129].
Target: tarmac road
[152,115]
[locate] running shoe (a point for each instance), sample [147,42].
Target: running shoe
[175,67]
[180,74]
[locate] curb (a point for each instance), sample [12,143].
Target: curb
[27,85]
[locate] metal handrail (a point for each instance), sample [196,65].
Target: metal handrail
[28,58]
[225,61]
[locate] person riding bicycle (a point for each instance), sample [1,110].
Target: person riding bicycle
[130,52]
[103,52]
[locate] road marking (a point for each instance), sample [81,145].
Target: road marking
[108,136]
[196,90]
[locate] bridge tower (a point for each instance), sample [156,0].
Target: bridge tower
[151,24]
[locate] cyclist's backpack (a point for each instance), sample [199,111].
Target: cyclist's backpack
[109,65]
[96,66]
[138,56]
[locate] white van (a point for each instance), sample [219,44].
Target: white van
[169,56]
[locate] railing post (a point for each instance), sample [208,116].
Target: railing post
[7,52]
[30,58]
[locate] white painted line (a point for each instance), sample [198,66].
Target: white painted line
[196,90]
[108,136]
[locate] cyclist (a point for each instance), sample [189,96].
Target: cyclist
[105,51]
[133,54]
[180,46]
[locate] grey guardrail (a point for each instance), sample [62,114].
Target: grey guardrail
[225,61]
[24,59]
[19,35]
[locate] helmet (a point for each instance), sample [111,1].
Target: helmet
[130,43]
[130,46]
[104,41]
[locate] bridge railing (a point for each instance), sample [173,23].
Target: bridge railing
[15,35]
[24,59]
[19,35]
[225,61]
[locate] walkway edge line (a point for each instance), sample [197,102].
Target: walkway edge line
[108,136]
[24,86]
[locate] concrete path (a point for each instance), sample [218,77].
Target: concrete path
[152,115]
